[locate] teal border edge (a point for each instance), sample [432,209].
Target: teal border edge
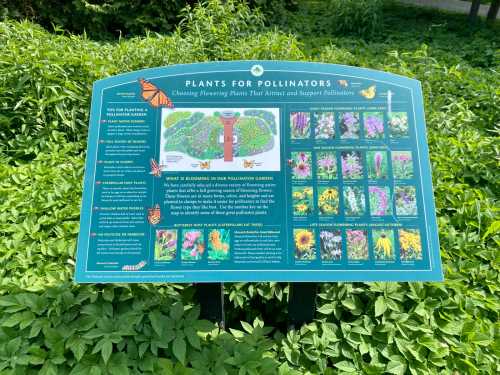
[216,275]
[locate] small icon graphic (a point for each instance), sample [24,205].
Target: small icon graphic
[343,83]
[135,267]
[155,168]
[368,93]
[154,215]
[257,70]
[205,164]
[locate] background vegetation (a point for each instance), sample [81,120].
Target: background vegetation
[49,325]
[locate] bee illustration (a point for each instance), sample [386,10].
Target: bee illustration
[248,163]
[154,215]
[135,267]
[205,164]
[155,168]
[343,83]
[369,93]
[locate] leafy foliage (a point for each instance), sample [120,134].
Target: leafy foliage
[49,325]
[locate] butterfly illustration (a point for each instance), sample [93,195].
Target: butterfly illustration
[248,163]
[343,82]
[205,164]
[155,168]
[369,93]
[154,95]
[154,215]
[135,267]
[291,163]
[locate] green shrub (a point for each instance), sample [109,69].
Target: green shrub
[358,17]
[49,325]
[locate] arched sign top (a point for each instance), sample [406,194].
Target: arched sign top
[257,171]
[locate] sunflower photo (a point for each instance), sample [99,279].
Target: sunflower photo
[302,197]
[305,244]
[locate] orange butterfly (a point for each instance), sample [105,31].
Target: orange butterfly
[154,95]
[154,215]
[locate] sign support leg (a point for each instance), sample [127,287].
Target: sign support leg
[211,299]
[301,303]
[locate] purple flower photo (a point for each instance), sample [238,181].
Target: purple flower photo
[352,165]
[301,165]
[349,125]
[374,125]
[380,200]
[300,124]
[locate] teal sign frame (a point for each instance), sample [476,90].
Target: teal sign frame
[257,171]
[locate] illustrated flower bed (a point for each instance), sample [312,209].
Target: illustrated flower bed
[165,245]
[219,244]
[301,165]
[325,125]
[192,245]
[357,244]
[410,244]
[330,244]
[302,200]
[374,125]
[326,166]
[305,244]
[376,165]
[328,201]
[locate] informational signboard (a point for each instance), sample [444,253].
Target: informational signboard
[257,171]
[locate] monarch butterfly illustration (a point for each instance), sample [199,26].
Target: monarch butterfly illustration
[154,215]
[205,164]
[248,163]
[154,95]
[343,82]
[135,267]
[155,168]
[369,93]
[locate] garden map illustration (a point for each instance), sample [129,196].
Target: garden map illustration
[257,171]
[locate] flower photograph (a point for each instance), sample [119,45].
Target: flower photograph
[398,125]
[352,165]
[302,197]
[402,164]
[410,244]
[406,200]
[373,123]
[192,244]
[357,244]
[328,200]
[349,125]
[383,244]
[301,164]
[330,244]
[326,165]
[325,125]
[219,244]
[380,200]
[166,245]
[305,244]
[354,201]
[376,165]
[300,125]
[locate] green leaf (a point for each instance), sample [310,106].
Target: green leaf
[192,337]
[345,366]
[77,345]
[176,311]
[398,368]
[179,349]
[157,321]
[380,306]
